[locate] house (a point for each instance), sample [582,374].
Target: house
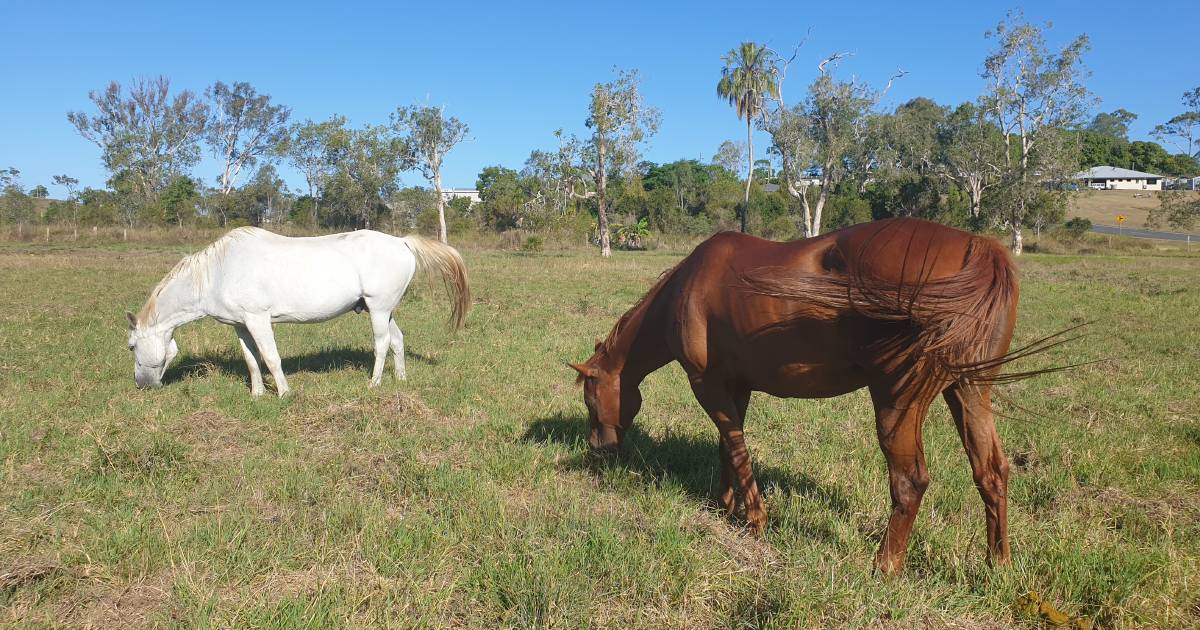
[1114,178]
[450,194]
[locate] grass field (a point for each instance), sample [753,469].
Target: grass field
[465,496]
[1103,206]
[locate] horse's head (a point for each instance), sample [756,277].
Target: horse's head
[153,350]
[611,409]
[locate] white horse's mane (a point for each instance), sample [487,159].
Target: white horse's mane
[194,267]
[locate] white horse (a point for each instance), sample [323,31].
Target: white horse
[251,278]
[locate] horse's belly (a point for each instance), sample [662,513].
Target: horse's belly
[803,380]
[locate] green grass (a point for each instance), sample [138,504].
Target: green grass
[466,497]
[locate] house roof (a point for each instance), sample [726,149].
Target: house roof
[1113,172]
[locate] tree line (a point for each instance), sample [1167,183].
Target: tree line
[1003,161]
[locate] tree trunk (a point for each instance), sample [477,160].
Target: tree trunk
[1018,243]
[601,209]
[749,172]
[441,204]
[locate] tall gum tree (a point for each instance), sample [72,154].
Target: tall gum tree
[428,135]
[1033,94]
[243,127]
[620,121]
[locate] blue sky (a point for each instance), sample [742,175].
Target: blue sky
[516,72]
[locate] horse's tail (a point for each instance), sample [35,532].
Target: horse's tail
[434,257]
[958,324]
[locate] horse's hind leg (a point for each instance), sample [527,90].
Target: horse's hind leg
[249,352]
[259,325]
[397,339]
[380,320]
[899,432]
[972,411]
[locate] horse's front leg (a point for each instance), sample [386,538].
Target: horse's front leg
[259,325]
[249,352]
[727,410]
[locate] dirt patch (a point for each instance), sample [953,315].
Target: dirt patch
[26,571]
[212,436]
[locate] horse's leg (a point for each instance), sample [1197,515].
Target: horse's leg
[397,339]
[380,319]
[726,407]
[899,432]
[726,498]
[972,411]
[249,352]
[259,325]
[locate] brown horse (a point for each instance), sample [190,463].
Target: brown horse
[906,308]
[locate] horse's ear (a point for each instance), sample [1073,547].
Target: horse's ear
[132,320]
[599,342]
[584,371]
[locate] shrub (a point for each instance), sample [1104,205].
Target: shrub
[1076,228]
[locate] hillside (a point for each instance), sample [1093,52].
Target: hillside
[1103,206]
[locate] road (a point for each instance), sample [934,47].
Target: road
[1140,233]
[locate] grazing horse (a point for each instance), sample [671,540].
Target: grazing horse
[251,278]
[907,308]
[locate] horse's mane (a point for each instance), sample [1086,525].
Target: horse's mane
[603,347]
[194,267]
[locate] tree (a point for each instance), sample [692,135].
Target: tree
[1034,94]
[730,155]
[68,182]
[367,163]
[1184,130]
[179,200]
[750,77]
[556,176]
[822,141]
[146,137]
[428,136]
[1114,125]
[15,205]
[39,192]
[619,121]
[501,198]
[1177,208]
[971,153]
[262,197]
[312,148]
[244,126]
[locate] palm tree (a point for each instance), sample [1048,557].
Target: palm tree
[749,78]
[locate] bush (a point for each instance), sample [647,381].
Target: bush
[1076,228]
[532,244]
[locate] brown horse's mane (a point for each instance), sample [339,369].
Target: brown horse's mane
[604,346]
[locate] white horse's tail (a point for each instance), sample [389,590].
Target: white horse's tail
[432,257]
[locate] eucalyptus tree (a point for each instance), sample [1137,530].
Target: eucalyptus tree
[620,121]
[428,135]
[146,136]
[70,183]
[730,156]
[242,128]
[971,153]
[822,141]
[314,149]
[749,78]
[1184,130]
[1034,94]
[559,180]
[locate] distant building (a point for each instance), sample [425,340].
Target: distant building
[450,194]
[1114,178]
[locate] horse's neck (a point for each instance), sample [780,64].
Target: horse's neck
[640,346]
[178,303]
